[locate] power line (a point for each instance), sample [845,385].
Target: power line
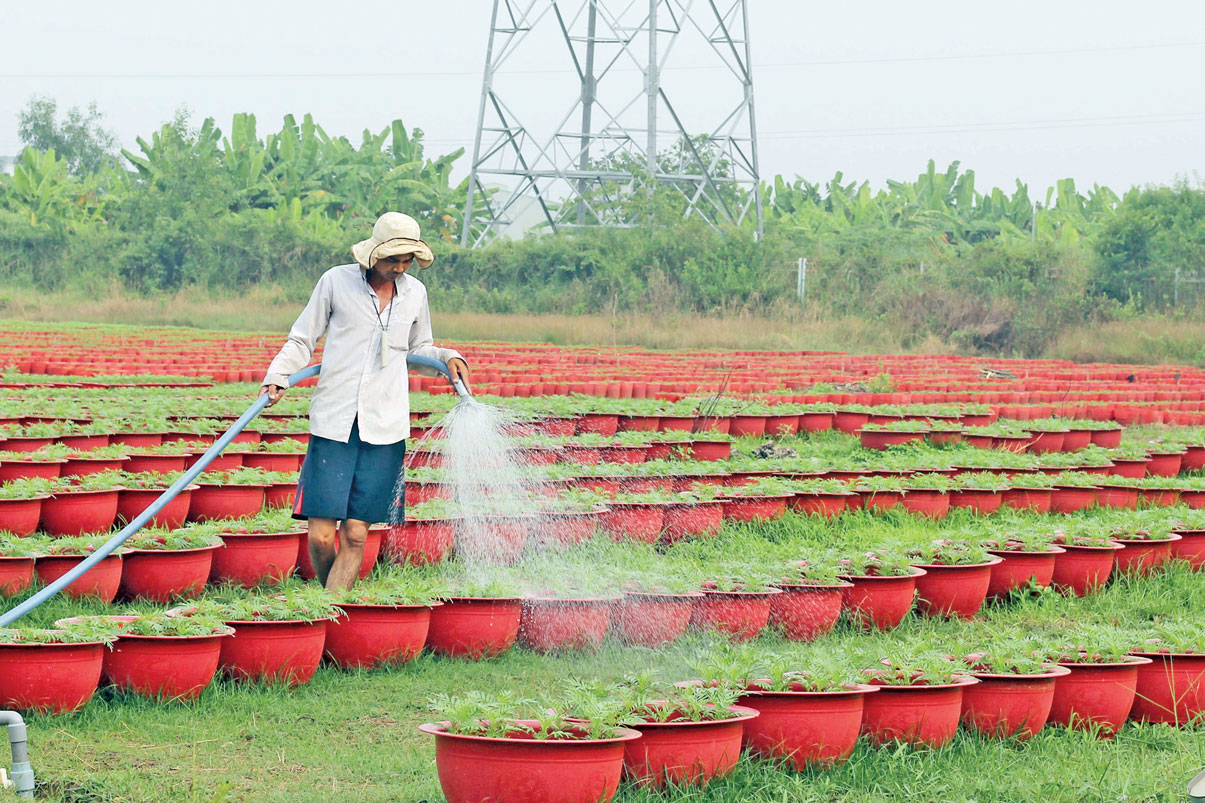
[545,71]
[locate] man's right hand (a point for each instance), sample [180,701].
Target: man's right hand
[274,393]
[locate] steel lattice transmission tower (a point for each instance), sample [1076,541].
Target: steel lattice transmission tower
[602,125]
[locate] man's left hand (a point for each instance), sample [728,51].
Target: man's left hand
[459,369]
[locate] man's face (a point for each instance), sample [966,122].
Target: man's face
[390,268]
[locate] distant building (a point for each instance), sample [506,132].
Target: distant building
[6,164]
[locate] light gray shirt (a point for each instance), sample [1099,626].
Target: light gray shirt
[357,382]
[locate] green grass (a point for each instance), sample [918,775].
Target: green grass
[351,735]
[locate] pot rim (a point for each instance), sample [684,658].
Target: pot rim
[1140,541]
[471,600]
[1111,546]
[744,713]
[916,572]
[138,550]
[438,729]
[1162,655]
[1138,661]
[1057,550]
[813,586]
[664,594]
[1056,671]
[572,600]
[769,592]
[857,688]
[940,566]
[967,681]
[390,605]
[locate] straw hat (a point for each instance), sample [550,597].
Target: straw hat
[393,234]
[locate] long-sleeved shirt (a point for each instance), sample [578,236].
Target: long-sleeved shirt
[355,381]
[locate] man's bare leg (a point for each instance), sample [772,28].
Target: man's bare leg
[346,567]
[322,546]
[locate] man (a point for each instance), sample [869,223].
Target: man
[373,314]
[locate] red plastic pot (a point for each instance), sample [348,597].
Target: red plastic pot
[709,450]
[976,500]
[932,504]
[274,461]
[157,463]
[22,469]
[520,768]
[1170,689]
[880,602]
[368,635]
[1143,555]
[494,539]
[210,502]
[132,501]
[1096,696]
[276,652]
[1035,500]
[652,619]
[849,422]
[253,558]
[551,625]
[1071,498]
[740,615]
[420,542]
[816,422]
[685,752]
[474,627]
[83,466]
[16,575]
[49,678]
[754,508]
[880,500]
[165,574]
[808,728]
[1018,568]
[163,667]
[568,527]
[953,590]
[828,505]
[79,512]
[1190,547]
[1002,705]
[747,426]
[803,612]
[633,521]
[598,423]
[1046,441]
[693,520]
[1164,464]
[918,715]
[885,439]
[102,580]
[1083,569]
[1117,496]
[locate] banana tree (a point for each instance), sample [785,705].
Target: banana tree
[40,187]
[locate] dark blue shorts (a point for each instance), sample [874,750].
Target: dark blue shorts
[353,480]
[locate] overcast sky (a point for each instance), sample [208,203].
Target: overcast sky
[1103,92]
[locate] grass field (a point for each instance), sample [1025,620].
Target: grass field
[352,735]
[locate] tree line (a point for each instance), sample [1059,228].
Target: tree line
[199,206]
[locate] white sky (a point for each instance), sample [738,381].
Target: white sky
[1104,92]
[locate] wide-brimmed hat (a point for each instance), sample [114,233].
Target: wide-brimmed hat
[393,234]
